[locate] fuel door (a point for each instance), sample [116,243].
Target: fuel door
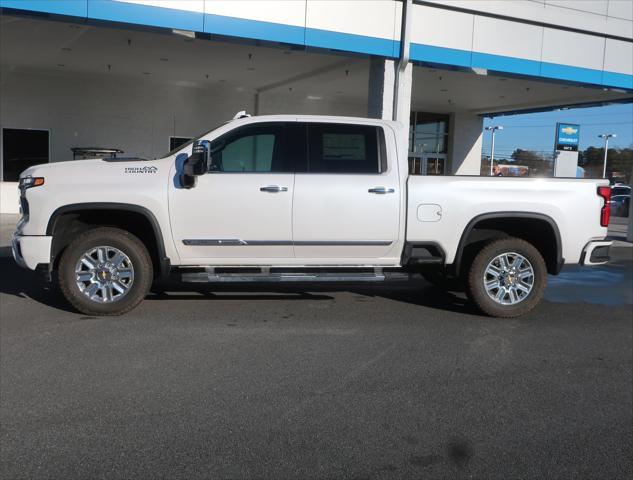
[429,212]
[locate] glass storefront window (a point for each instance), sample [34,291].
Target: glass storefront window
[435,166]
[428,143]
[428,133]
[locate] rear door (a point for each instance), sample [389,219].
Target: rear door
[347,197]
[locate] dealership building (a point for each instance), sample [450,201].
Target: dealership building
[144,76]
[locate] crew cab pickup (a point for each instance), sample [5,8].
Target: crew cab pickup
[301,198]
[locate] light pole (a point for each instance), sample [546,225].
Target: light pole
[493,130]
[606,137]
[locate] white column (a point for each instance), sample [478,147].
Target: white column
[465,143]
[382,79]
[403,108]
[382,95]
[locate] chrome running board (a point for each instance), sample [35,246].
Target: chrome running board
[210,275]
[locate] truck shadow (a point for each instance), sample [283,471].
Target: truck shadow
[24,283]
[28,284]
[418,292]
[424,294]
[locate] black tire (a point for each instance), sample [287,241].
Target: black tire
[124,241]
[475,285]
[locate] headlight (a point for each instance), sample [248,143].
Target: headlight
[28,182]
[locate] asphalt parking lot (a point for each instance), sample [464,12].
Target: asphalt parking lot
[399,381]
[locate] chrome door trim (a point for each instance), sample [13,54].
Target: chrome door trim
[342,243]
[233,242]
[212,242]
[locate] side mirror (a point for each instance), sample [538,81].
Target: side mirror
[199,159]
[196,164]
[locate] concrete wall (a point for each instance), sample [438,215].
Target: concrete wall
[137,116]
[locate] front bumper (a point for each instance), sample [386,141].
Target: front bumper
[31,251]
[596,253]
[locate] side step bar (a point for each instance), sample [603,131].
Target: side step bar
[265,276]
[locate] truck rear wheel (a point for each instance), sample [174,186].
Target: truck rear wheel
[507,278]
[105,271]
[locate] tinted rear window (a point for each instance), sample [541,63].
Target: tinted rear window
[340,148]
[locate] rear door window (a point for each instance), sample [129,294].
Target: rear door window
[343,148]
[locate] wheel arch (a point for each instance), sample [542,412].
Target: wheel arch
[497,224]
[122,215]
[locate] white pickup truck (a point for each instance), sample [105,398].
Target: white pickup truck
[301,198]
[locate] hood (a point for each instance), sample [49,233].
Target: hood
[96,168]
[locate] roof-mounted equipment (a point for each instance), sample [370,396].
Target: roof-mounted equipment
[241,114]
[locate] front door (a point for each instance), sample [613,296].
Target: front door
[347,201]
[240,212]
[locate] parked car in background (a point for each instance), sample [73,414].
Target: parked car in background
[514,171]
[617,179]
[620,200]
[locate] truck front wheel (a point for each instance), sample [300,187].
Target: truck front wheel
[105,271]
[507,278]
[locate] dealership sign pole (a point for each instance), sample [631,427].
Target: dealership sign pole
[566,150]
[606,137]
[492,146]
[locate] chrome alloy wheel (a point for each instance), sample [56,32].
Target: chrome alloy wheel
[104,274]
[509,278]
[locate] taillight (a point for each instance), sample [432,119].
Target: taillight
[605,213]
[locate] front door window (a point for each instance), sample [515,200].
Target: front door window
[251,149]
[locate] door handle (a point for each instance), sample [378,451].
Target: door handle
[273,189]
[381,190]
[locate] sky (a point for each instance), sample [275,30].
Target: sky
[535,131]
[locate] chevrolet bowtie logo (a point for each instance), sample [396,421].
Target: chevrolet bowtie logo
[569,130]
